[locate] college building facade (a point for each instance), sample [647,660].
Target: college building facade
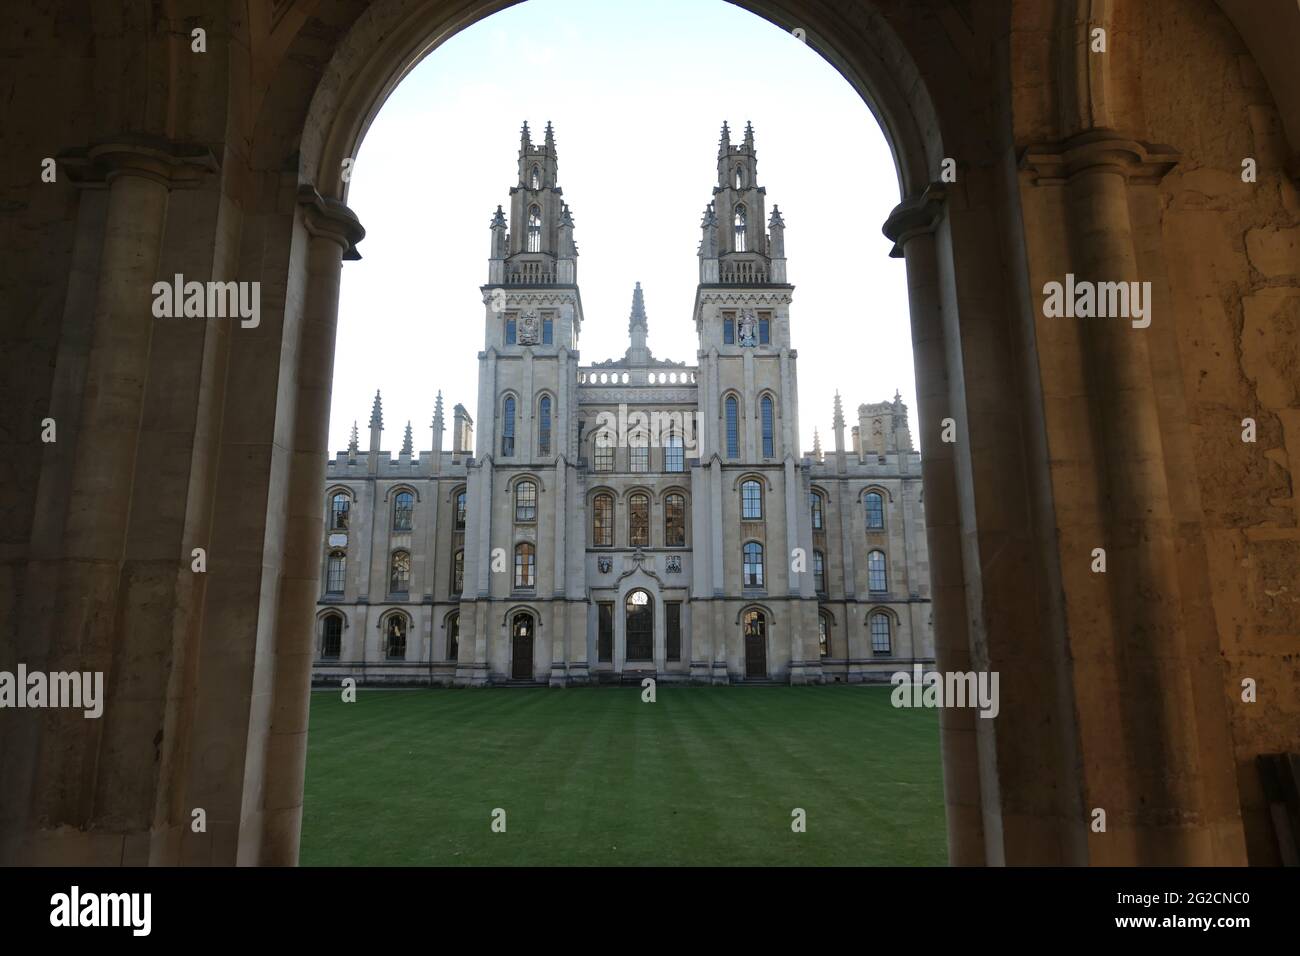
[635,517]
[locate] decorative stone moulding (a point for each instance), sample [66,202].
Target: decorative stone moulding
[331,219]
[174,165]
[1098,150]
[916,215]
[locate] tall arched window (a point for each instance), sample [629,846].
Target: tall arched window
[638,632]
[458,571]
[638,521]
[875,503]
[602,521]
[819,572]
[674,521]
[765,409]
[331,637]
[876,580]
[395,637]
[458,523]
[544,426]
[740,228]
[453,636]
[751,500]
[403,510]
[536,180]
[674,453]
[740,182]
[340,505]
[508,427]
[818,504]
[399,577]
[534,229]
[335,572]
[733,427]
[753,569]
[824,634]
[525,567]
[880,633]
[526,501]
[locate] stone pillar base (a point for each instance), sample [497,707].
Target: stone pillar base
[720,675]
[579,674]
[558,677]
[471,675]
[699,673]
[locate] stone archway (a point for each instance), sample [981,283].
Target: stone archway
[1115,694]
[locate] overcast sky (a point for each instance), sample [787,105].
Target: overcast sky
[637,91]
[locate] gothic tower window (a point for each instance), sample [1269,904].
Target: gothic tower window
[753,565]
[819,572]
[399,577]
[876,580]
[458,571]
[674,453]
[602,521]
[544,426]
[508,427]
[740,227]
[818,504]
[512,326]
[526,501]
[740,180]
[334,575]
[638,521]
[728,329]
[403,509]
[751,501]
[536,180]
[875,503]
[458,523]
[733,427]
[525,567]
[880,636]
[674,521]
[534,229]
[395,637]
[340,506]
[331,638]
[548,331]
[764,329]
[765,407]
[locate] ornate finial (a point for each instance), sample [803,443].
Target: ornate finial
[437,413]
[406,440]
[775,219]
[498,218]
[898,397]
[566,217]
[839,410]
[353,441]
[710,216]
[724,144]
[638,308]
[550,135]
[525,141]
[749,135]
[377,412]
[817,445]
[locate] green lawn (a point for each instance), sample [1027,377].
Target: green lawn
[593,776]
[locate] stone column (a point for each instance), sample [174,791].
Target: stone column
[911,226]
[334,232]
[86,615]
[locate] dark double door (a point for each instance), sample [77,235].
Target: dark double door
[521,655]
[755,645]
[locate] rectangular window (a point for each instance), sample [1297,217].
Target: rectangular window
[767,427]
[674,521]
[604,456]
[639,458]
[875,511]
[674,455]
[673,632]
[638,522]
[510,331]
[525,568]
[733,428]
[334,580]
[819,572]
[879,634]
[548,331]
[728,330]
[764,329]
[605,633]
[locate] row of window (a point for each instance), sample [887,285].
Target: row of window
[403,511]
[638,632]
[638,453]
[508,414]
[767,420]
[638,520]
[873,502]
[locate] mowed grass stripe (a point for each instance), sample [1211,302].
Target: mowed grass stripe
[706,775]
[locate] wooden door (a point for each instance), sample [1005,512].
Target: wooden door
[522,651]
[755,645]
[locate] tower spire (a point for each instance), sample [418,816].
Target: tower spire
[407,448]
[352,443]
[638,329]
[817,445]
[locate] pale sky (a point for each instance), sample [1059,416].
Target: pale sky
[637,91]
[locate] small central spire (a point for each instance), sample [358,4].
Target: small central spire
[638,329]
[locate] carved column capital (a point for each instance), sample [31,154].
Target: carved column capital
[1098,150]
[331,219]
[916,215]
[173,165]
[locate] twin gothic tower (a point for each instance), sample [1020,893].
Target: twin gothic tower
[636,516]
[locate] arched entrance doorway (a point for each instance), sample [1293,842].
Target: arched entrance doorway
[755,630]
[521,646]
[639,627]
